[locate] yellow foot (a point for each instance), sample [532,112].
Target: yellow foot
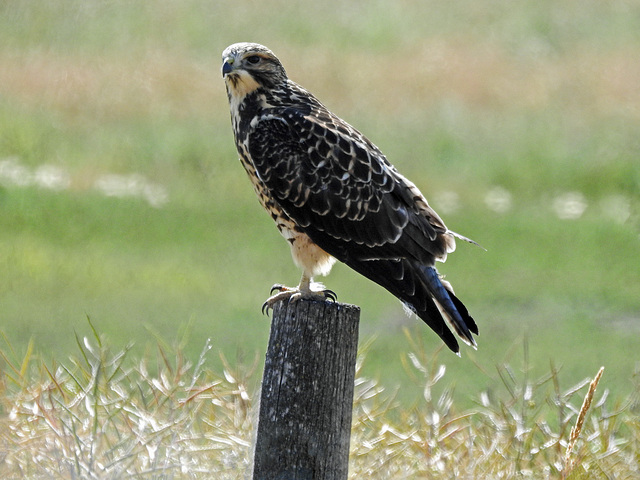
[295,294]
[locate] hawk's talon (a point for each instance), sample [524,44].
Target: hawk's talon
[278,287]
[329,295]
[294,294]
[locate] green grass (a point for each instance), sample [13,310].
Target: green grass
[539,99]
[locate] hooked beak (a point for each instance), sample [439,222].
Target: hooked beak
[227,66]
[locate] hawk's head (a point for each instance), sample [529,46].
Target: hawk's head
[248,66]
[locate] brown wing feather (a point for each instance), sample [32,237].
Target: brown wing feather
[341,190]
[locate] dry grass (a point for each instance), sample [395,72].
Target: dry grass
[481,75]
[112,87]
[521,432]
[96,418]
[577,429]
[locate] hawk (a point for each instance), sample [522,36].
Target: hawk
[334,195]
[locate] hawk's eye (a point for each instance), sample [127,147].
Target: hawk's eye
[253,59]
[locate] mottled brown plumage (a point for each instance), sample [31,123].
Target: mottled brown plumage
[334,195]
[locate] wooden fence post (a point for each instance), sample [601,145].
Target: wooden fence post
[304,424]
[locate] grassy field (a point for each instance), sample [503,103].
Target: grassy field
[121,197]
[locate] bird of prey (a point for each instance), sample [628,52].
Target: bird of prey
[334,195]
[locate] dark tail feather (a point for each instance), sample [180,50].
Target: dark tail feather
[464,313]
[453,309]
[422,291]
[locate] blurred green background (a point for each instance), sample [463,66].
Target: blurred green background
[121,197]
